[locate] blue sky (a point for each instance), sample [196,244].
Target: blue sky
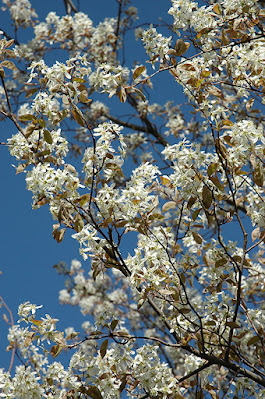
[28,250]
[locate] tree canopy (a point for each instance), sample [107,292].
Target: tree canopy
[166,199]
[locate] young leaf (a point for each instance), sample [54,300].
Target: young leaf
[26,117]
[232,324]
[168,205]
[164,180]
[217,9]
[191,202]
[139,94]
[103,348]
[197,237]
[58,235]
[47,136]
[217,182]
[249,104]
[122,94]
[78,117]
[138,71]
[181,47]
[253,340]
[31,92]
[78,223]
[2,72]
[211,169]
[93,392]
[113,324]
[206,197]
[56,350]
[255,233]
[258,175]
[8,64]
[196,214]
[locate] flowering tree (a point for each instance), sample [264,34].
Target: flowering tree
[174,308]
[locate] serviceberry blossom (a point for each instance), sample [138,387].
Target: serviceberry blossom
[107,78]
[21,12]
[166,200]
[27,310]
[156,45]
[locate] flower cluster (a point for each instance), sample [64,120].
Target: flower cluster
[21,12]
[167,203]
[156,45]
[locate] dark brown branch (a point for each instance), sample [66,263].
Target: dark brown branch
[9,37]
[145,129]
[194,372]
[133,126]
[151,129]
[69,6]
[118,25]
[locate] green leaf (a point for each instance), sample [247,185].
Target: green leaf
[97,332]
[164,291]
[72,335]
[61,115]
[184,310]
[205,74]
[50,381]
[210,323]
[79,80]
